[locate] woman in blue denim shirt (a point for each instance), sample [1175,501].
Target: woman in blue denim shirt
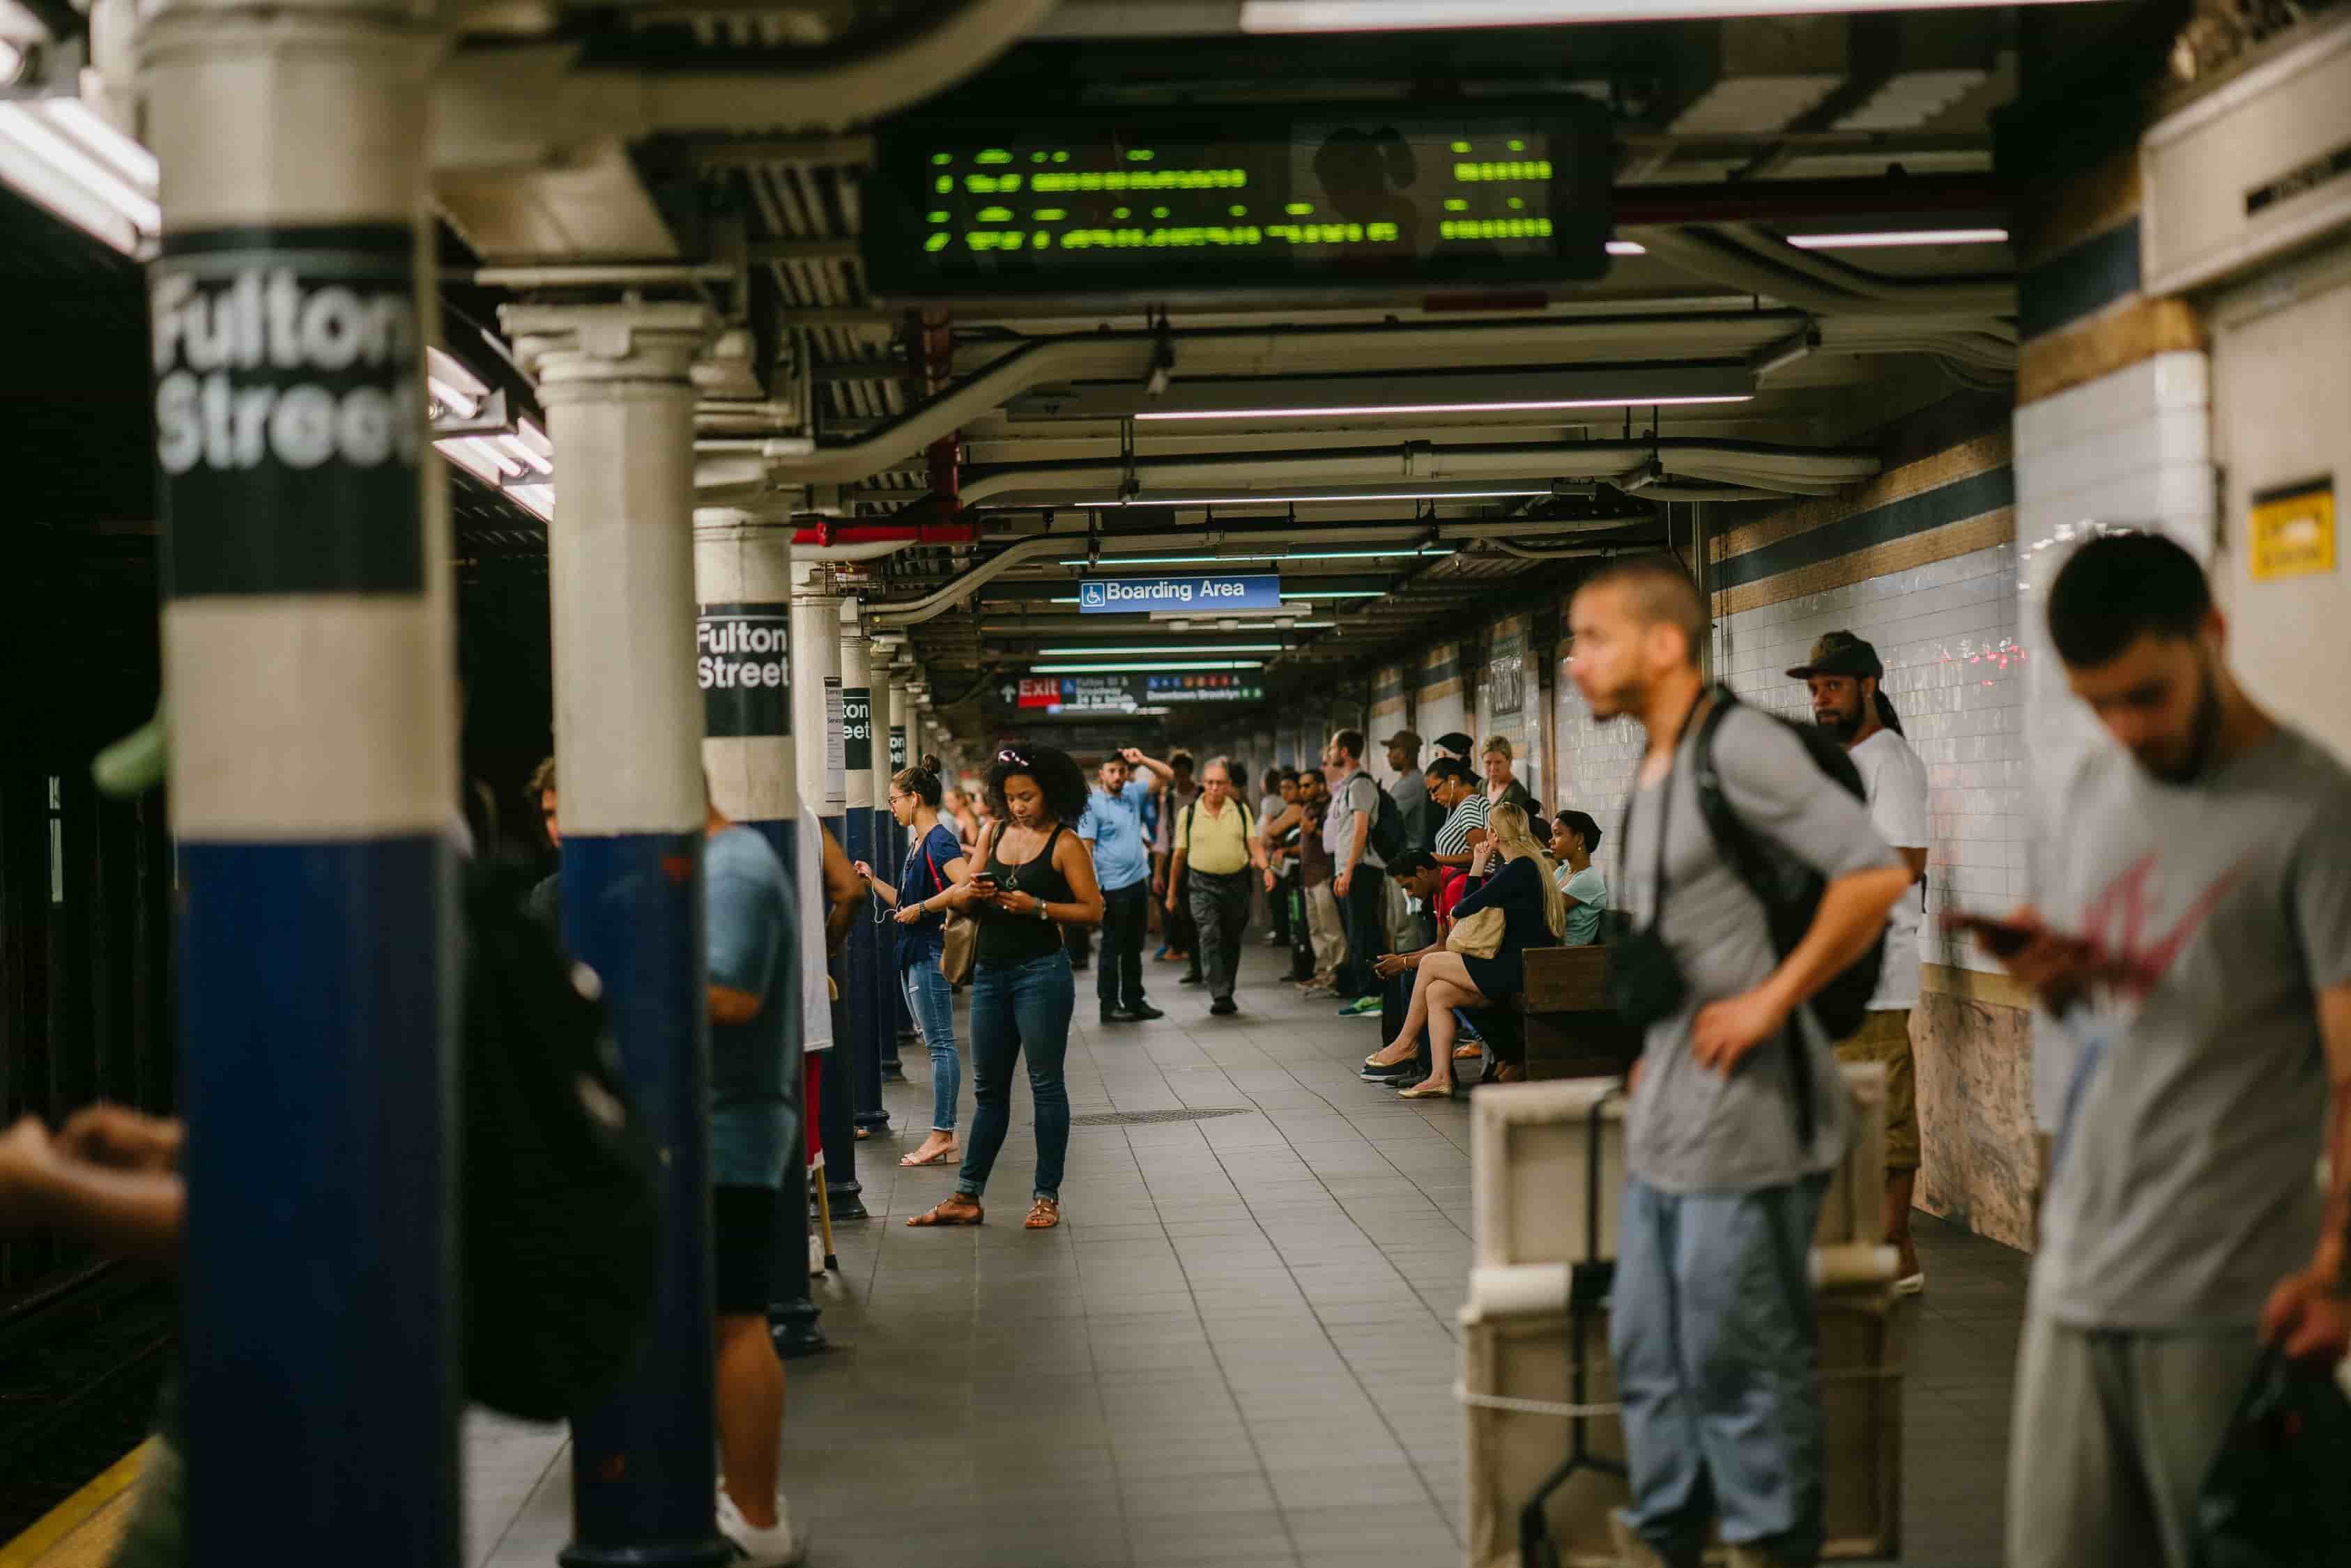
[935,864]
[1035,877]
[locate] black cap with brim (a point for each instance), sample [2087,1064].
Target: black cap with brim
[1839,653]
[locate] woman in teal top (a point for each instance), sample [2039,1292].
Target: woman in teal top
[1573,836]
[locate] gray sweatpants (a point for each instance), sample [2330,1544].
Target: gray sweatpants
[2114,1431]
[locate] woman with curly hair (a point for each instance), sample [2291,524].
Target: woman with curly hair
[1035,877]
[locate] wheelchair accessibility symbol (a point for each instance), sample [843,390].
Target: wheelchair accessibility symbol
[1093,596]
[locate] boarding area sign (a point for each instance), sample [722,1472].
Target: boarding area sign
[1179,593]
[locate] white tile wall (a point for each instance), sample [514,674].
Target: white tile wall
[1597,764]
[1954,668]
[2131,448]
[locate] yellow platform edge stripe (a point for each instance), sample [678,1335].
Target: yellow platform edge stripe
[55,1526]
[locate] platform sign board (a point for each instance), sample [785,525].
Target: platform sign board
[743,663]
[1253,594]
[1075,694]
[1239,199]
[2292,531]
[1235,688]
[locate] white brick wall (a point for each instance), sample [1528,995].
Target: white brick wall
[1597,764]
[1947,633]
[2131,448]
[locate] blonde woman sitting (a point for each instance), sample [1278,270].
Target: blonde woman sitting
[1534,914]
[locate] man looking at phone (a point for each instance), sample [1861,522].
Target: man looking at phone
[2193,934]
[1843,677]
[1112,825]
[1710,1326]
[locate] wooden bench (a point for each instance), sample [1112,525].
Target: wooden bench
[1571,1030]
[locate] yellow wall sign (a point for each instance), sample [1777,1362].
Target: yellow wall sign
[2293,532]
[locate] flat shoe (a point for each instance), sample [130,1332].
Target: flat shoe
[1426,1092]
[1467,1053]
[945,1156]
[954,1211]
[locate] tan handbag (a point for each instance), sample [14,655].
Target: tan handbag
[959,937]
[1478,936]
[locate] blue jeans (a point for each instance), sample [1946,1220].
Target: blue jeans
[1017,1008]
[932,1001]
[1711,1331]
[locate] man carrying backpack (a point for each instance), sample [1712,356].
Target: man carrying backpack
[1738,1112]
[1359,876]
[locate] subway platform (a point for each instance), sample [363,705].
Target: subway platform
[1236,1351]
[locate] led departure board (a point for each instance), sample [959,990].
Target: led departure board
[1168,204]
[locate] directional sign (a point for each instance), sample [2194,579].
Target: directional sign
[1080,693]
[1199,592]
[1161,689]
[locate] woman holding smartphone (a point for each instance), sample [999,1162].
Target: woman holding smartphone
[935,865]
[1036,876]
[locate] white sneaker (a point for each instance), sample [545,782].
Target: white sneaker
[774,1547]
[815,1254]
[1911,1285]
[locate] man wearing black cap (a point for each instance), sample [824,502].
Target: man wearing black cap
[1410,791]
[1845,679]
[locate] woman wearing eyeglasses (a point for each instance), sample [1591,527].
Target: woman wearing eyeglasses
[1036,876]
[934,866]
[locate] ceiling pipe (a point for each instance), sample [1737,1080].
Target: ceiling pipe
[1792,470]
[1717,260]
[530,105]
[1797,201]
[1024,551]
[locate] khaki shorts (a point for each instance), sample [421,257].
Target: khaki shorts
[1885,1037]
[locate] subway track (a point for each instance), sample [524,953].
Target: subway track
[81,1358]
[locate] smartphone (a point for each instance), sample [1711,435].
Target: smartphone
[985,882]
[1999,939]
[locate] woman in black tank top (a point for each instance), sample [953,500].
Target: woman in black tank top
[1035,877]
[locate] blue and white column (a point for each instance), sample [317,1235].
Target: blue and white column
[817,729]
[308,649]
[743,662]
[872,1016]
[628,748]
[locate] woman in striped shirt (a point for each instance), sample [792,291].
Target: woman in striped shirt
[1452,786]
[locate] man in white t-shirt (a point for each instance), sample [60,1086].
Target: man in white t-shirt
[1845,677]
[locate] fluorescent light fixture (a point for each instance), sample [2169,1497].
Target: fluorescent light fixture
[1898,240]
[1627,247]
[1314,593]
[1269,555]
[1162,648]
[1420,15]
[81,169]
[454,387]
[1514,406]
[1154,667]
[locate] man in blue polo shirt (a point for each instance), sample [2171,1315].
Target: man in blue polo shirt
[1113,824]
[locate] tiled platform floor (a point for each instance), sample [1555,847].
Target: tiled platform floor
[1238,1350]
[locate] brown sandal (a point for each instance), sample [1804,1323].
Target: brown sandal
[951,1154]
[957,1210]
[1043,1214]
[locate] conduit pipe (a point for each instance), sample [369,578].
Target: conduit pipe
[531,105]
[1702,254]
[1792,470]
[1023,552]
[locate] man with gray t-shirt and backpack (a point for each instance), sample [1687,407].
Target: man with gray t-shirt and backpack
[2192,935]
[1738,1112]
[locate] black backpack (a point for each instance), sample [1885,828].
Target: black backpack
[1789,891]
[1387,838]
[556,1207]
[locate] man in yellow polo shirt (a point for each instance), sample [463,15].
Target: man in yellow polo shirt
[1216,839]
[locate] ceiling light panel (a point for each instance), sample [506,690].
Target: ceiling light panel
[1421,15]
[1898,240]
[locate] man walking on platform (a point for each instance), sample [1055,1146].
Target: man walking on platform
[748,911]
[1112,825]
[1216,847]
[1738,1111]
[1845,677]
[2193,937]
